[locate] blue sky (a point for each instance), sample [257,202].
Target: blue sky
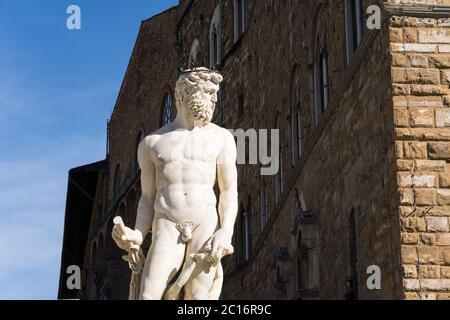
[57,90]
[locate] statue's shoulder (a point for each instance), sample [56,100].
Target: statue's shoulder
[226,136]
[220,130]
[150,141]
[155,136]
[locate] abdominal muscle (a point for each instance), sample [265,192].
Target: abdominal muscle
[185,202]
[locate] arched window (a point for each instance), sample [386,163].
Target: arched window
[296,120]
[321,74]
[296,134]
[279,174]
[245,236]
[167,109]
[193,54]
[279,178]
[300,266]
[218,112]
[354,25]
[215,40]
[306,256]
[117,182]
[264,204]
[241,14]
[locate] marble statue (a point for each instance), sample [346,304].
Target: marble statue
[180,164]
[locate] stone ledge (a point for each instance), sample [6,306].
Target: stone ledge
[417,10]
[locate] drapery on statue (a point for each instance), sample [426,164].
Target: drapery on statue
[190,233]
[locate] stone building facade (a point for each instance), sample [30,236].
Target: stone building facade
[364,129]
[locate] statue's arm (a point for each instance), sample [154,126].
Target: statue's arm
[227,180]
[146,209]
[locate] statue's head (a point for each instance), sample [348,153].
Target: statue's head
[196,90]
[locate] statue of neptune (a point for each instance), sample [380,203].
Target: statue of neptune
[179,165]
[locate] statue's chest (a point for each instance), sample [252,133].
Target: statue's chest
[187,146]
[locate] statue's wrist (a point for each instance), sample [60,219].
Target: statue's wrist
[140,236]
[227,231]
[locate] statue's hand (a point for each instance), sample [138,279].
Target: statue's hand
[219,245]
[126,238]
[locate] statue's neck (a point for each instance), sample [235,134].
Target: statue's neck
[185,121]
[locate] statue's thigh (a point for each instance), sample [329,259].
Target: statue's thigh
[200,283]
[164,259]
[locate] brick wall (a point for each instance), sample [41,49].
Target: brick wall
[420,52]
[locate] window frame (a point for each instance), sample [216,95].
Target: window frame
[240,18]
[279,179]
[264,204]
[193,54]
[297,134]
[215,40]
[322,82]
[354,26]
[165,117]
[245,236]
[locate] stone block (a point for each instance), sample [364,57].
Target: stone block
[415,150]
[409,255]
[421,117]
[437,224]
[429,255]
[442,117]
[435,284]
[439,150]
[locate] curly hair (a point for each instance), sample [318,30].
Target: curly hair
[190,80]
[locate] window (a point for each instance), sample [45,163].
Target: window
[193,54]
[215,40]
[241,105]
[354,25]
[306,257]
[300,266]
[245,236]
[240,18]
[296,135]
[321,73]
[321,82]
[352,283]
[279,179]
[167,110]
[117,182]
[264,204]
[218,114]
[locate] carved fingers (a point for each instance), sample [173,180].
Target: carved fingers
[218,246]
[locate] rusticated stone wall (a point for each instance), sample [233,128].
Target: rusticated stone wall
[420,50]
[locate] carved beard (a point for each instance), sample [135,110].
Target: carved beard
[201,111]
